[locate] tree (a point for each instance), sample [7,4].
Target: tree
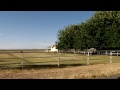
[101,31]
[66,37]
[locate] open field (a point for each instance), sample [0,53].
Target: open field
[11,60]
[42,60]
[101,71]
[45,66]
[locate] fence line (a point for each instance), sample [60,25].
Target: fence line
[58,60]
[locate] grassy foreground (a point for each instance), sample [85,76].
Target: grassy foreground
[101,71]
[44,66]
[43,60]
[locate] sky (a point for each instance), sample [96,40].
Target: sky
[36,29]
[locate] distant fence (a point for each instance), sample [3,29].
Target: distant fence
[27,58]
[99,52]
[108,52]
[24,50]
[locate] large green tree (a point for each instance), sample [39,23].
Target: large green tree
[101,31]
[66,36]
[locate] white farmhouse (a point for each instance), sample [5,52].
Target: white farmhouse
[53,48]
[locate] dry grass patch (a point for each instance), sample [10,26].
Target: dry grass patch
[99,67]
[80,72]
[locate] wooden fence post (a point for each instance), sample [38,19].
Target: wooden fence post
[111,57]
[84,52]
[117,53]
[88,58]
[59,60]
[106,52]
[22,59]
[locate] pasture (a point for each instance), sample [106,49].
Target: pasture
[41,65]
[29,59]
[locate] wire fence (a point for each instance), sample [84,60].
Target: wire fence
[29,59]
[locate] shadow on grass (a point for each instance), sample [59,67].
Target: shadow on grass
[52,66]
[42,66]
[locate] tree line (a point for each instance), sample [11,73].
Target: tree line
[101,31]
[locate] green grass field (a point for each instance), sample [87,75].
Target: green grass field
[42,60]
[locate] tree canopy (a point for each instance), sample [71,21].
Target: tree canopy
[101,31]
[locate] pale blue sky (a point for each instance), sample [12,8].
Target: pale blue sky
[35,29]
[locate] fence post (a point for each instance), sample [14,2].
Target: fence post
[88,58]
[99,52]
[117,53]
[84,52]
[22,59]
[111,57]
[74,51]
[59,60]
[106,52]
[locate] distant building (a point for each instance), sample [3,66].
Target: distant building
[51,49]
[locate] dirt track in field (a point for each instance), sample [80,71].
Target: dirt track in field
[101,71]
